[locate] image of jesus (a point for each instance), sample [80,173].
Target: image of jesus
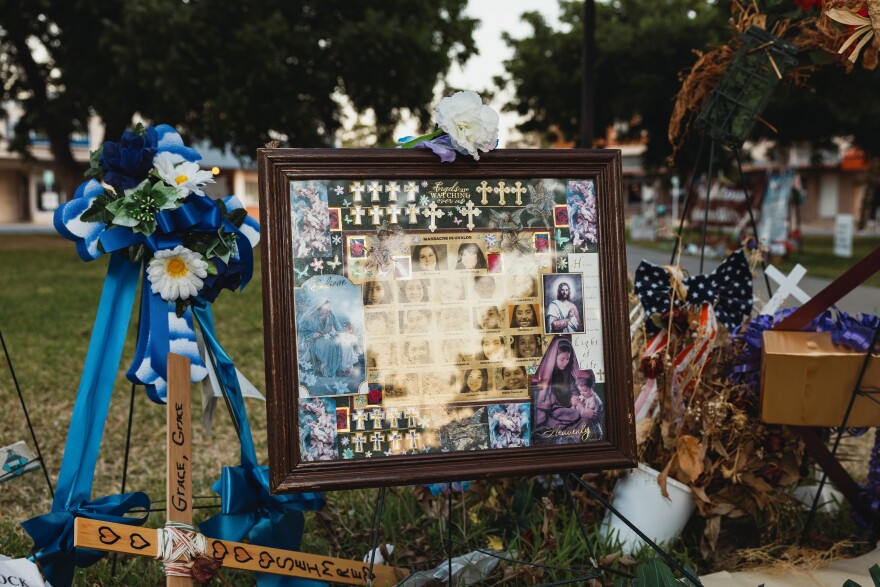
[562,315]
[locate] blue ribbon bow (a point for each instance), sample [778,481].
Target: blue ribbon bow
[53,533]
[728,288]
[248,509]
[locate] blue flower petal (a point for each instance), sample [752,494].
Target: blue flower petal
[171,142]
[69,225]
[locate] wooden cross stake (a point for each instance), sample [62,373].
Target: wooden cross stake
[788,286]
[110,537]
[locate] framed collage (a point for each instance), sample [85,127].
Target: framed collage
[429,322]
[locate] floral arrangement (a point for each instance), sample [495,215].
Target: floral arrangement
[466,126]
[152,203]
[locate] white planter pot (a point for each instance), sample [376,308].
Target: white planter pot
[637,496]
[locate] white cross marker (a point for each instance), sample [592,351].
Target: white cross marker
[377,417]
[412,438]
[359,417]
[433,213]
[411,417]
[376,212]
[788,286]
[392,189]
[470,211]
[411,190]
[394,212]
[413,211]
[519,190]
[375,189]
[357,188]
[377,439]
[392,416]
[501,190]
[485,190]
[358,214]
[358,440]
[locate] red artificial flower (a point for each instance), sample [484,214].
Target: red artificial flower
[806,5]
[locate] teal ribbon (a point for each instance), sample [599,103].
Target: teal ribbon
[53,532]
[248,509]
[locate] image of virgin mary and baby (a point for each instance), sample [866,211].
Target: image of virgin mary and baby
[330,348]
[567,409]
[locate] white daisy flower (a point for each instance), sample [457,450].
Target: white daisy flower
[185,176]
[177,273]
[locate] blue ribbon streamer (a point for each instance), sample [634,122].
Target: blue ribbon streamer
[248,509]
[53,532]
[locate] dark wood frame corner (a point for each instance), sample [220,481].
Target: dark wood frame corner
[277,167]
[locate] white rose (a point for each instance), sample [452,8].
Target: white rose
[472,126]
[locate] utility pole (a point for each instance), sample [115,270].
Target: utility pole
[588,58]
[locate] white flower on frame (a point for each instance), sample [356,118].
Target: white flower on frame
[471,125]
[185,176]
[177,274]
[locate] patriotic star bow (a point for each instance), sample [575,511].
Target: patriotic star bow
[728,288]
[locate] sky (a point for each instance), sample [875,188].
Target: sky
[496,17]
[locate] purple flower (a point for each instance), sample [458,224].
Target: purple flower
[128,162]
[442,147]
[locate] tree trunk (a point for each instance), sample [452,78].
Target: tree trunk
[588,59]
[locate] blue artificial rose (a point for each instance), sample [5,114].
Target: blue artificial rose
[128,162]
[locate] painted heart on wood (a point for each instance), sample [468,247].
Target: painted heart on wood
[220,551]
[108,536]
[266,560]
[138,542]
[241,555]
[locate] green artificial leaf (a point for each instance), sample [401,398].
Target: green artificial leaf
[136,253]
[211,268]
[121,211]
[98,212]
[164,196]
[95,169]
[875,575]
[140,129]
[237,217]
[180,307]
[850,583]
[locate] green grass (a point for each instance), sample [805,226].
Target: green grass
[48,299]
[816,255]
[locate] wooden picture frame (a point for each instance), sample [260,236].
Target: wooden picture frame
[424,411]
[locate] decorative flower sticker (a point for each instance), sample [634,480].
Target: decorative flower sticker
[317,264]
[176,274]
[186,177]
[339,190]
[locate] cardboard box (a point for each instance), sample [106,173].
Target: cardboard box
[807,380]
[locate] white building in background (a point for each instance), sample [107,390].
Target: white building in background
[29,195]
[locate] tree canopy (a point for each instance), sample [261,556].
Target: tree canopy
[236,73]
[641,46]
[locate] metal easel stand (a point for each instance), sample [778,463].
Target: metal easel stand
[27,417]
[582,577]
[858,391]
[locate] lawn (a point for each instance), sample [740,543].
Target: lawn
[49,298]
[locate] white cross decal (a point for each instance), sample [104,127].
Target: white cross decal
[359,417]
[519,190]
[392,417]
[377,417]
[411,190]
[376,212]
[413,211]
[470,211]
[392,189]
[411,417]
[433,213]
[412,438]
[485,190]
[375,189]
[788,286]
[394,439]
[394,212]
[501,190]
[358,214]
[377,439]
[357,188]
[358,440]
